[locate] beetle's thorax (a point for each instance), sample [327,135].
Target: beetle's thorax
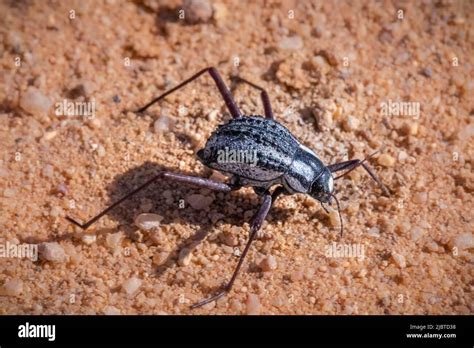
[305,169]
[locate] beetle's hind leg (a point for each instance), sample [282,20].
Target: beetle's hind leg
[263,95]
[182,178]
[221,86]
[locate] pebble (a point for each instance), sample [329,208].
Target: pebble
[386,160]
[291,43]
[162,125]
[113,240]
[56,211]
[416,233]
[230,238]
[220,11]
[253,304]
[34,102]
[12,287]
[462,242]
[198,201]
[52,251]
[9,193]
[399,260]
[196,11]
[427,72]
[148,221]
[374,232]
[350,124]
[131,285]
[402,156]
[320,64]
[212,116]
[48,170]
[297,275]
[268,264]
[111,310]
[89,239]
[185,256]
[160,258]
[409,128]
[420,197]
[100,151]
[50,135]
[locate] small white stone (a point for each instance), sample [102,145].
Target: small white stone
[253,304]
[113,240]
[148,221]
[291,43]
[212,116]
[374,232]
[196,11]
[50,135]
[52,251]
[162,125]
[130,286]
[48,170]
[402,156]
[111,310]
[399,260]
[462,242]
[351,124]
[386,160]
[56,211]
[34,102]
[9,193]
[89,239]
[100,151]
[13,287]
[416,233]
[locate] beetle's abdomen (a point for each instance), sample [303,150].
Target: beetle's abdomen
[251,147]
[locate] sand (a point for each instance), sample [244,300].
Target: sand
[345,78]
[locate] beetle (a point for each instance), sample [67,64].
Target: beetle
[259,152]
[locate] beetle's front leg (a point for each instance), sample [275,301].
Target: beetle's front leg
[353,164]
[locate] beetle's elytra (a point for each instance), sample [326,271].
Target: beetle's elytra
[259,152]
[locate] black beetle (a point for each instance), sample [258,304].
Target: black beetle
[259,152]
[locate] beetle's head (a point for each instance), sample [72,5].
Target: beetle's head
[322,187]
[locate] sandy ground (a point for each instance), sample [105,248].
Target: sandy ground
[346,78]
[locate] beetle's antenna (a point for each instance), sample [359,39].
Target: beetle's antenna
[325,209]
[339,212]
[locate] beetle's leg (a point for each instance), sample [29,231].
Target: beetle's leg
[185,179]
[226,95]
[257,222]
[263,95]
[353,164]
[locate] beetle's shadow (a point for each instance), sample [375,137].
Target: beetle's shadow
[169,207]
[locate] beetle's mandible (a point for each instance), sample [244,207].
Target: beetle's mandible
[259,152]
